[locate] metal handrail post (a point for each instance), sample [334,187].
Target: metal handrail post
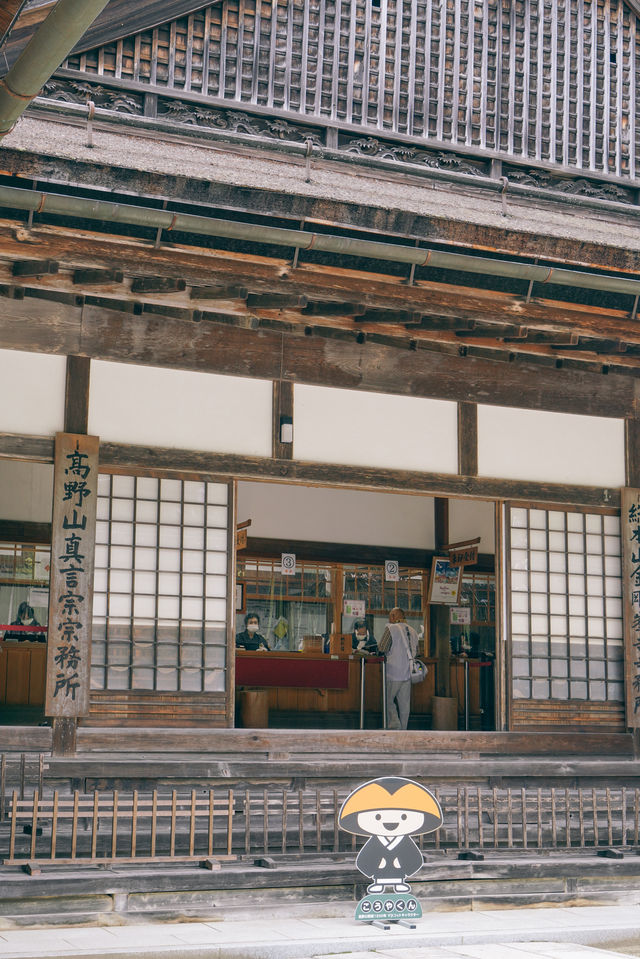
[362,684]
[384,694]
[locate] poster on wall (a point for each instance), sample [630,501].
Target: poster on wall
[355,607]
[444,585]
[75,480]
[630,532]
[460,616]
[288,564]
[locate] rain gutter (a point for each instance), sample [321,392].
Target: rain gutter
[104,210]
[52,42]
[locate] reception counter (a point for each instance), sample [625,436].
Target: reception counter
[315,683]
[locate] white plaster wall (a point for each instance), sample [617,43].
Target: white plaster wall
[470,518]
[550,447]
[279,511]
[33,387]
[180,409]
[26,491]
[358,428]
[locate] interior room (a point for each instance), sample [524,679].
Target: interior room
[358,554]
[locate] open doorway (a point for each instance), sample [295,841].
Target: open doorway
[26,491]
[355,555]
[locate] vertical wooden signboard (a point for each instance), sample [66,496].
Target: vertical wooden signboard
[630,531]
[75,484]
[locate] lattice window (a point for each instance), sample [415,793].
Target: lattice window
[160,585]
[566,606]
[543,80]
[289,607]
[368,583]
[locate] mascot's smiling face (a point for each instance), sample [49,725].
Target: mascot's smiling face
[391,806]
[390,822]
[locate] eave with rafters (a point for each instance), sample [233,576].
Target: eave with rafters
[156,81]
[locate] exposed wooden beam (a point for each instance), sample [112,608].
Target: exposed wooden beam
[488,333]
[93,276]
[275,301]
[34,267]
[438,323]
[584,345]
[542,336]
[123,458]
[117,457]
[333,308]
[161,340]
[24,531]
[462,304]
[349,553]
[157,284]
[456,233]
[231,292]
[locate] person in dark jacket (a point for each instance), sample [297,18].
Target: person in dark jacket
[25,617]
[250,637]
[361,639]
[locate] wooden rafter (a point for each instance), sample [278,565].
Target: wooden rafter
[9,13]
[121,18]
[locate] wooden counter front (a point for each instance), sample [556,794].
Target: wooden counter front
[290,698]
[22,673]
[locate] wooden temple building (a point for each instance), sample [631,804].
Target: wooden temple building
[297,297]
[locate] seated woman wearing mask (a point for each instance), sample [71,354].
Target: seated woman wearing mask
[25,617]
[250,638]
[361,639]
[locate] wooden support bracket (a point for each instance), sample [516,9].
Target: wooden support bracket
[233,292]
[95,276]
[34,267]
[275,301]
[157,284]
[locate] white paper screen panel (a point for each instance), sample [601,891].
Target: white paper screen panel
[358,428]
[550,447]
[33,387]
[180,409]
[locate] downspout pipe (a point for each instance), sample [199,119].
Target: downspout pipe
[105,210]
[53,41]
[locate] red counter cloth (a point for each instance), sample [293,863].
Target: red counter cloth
[311,673]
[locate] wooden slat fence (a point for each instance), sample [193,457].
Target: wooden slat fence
[24,770]
[220,822]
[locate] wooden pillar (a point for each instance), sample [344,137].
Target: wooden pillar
[468,439]
[440,613]
[232,560]
[632,463]
[282,417]
[76,399]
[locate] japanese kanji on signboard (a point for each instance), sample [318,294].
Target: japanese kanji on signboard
[71,586]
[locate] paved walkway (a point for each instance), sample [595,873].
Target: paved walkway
[546,933]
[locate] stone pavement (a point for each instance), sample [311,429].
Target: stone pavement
[521,933]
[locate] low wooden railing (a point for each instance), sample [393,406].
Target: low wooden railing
[210,824]
[104,827]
